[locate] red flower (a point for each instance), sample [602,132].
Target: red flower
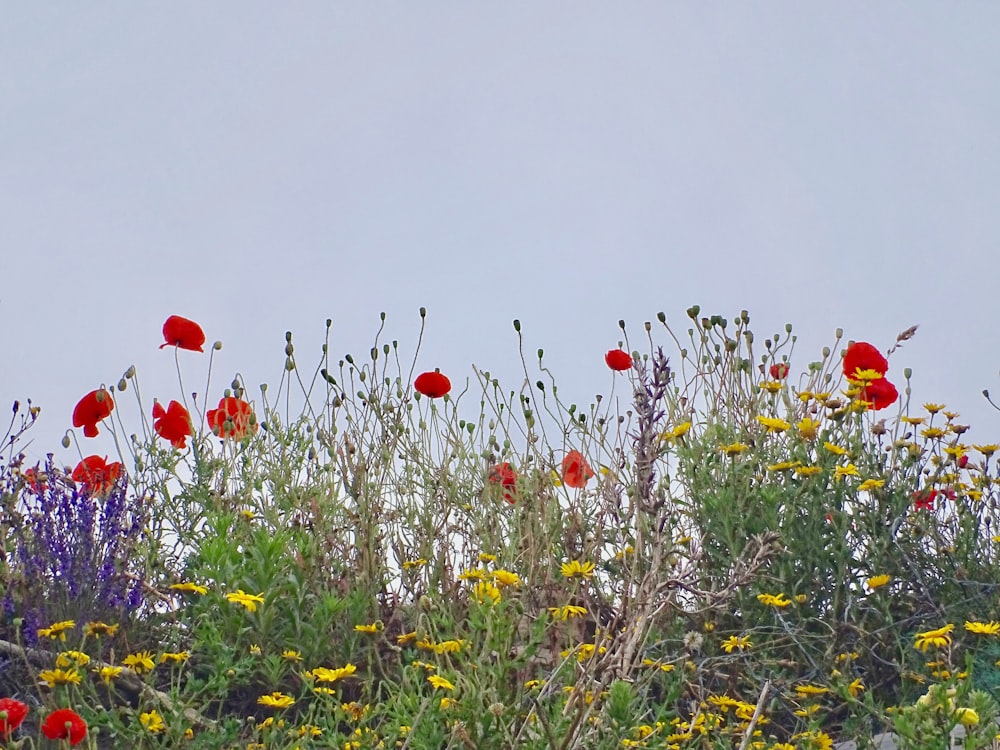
[432,384]
[618,360]
[863,356]
[183,333]
[35,480]
[962,461]
[879,394]
[924,500]
[65,724]
[779,371]
[93,407]
[504,475]
[232,419]
[172,423]
[12,713]
[575,470]
[97,476]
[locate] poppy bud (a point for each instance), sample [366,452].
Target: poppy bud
[648,326]
[65,440]
[289,349]
[839,333]
[541,352]
[907,373]
[662,317]
[130,372]
[621,324]
[744,316]
[263,387]
[423,312]
[217,345]
[826,351]
[288,336]
[290,365]
[517,325]
[374,354]
[693,312]
[788,327]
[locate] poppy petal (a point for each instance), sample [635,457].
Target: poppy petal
[183,333]
[432,384]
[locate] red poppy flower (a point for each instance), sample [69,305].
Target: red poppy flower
[924,500]
[183,333]
[232,419]
[432,384]
[879,394]
[35,480]
[65,724]
[172,423]
[504,475]
[575,470]
[779,371]
[91,409]
[962,461]
[12,713]
[618,360]
[97,476]
[863,356]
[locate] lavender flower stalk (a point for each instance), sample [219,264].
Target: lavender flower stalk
[68,555]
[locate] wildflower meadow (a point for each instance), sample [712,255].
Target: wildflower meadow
[737,545]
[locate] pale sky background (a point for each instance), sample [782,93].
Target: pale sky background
[260,167]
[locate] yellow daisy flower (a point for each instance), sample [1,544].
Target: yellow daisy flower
[440,683]
[880,580]
[772,600]
[577,569]
[933,638]
[250,601]
[53,677]
[152,722]
[276,700]
[983,628]
[773,424]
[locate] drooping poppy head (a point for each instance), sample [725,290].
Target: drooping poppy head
[618,360]
[575,470]
[12,713]
[879,394]
[183,333]
[172,423]
[779,371]
[432,384]
[505,476]
[96,476]
[65,724]
[233,419]
[91,409]
[863,356]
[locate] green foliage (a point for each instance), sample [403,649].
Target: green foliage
[368,567]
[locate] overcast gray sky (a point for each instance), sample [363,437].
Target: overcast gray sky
[260,167]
